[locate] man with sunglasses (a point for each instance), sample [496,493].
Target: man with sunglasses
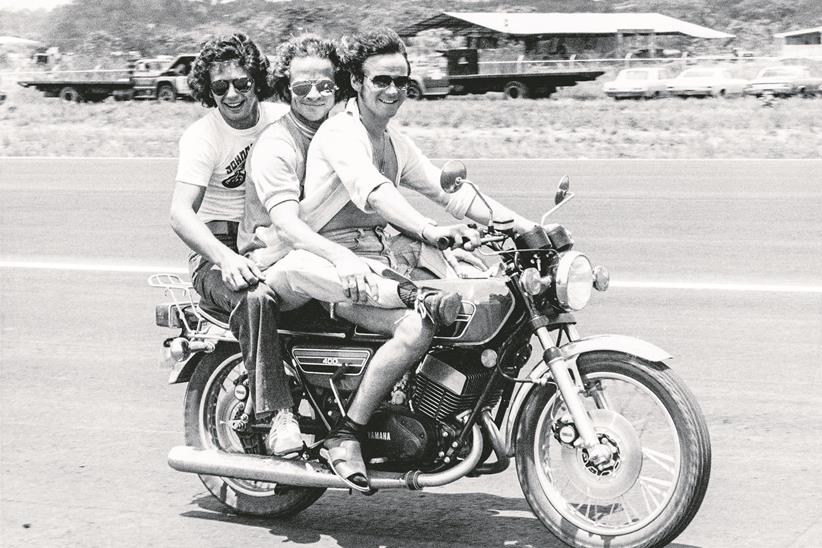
[354,165]
[230,77]
[302,265]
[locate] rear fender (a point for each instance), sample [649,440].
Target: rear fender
[571,351]
[181,371]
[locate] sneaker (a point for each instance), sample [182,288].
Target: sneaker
[442,307]
[284,436]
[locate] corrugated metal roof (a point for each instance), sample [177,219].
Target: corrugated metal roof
[529,24]
[798,32]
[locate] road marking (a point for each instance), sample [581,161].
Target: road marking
[693,286]
[553,160]
[86,267]
[700,286]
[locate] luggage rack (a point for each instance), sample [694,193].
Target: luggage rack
[181,292]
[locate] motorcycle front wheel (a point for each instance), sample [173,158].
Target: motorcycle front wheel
[653,485]
[211,407]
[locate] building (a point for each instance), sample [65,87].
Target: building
[803,43]
[559,35]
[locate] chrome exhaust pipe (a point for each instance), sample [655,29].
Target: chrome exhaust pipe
[302,473]
[498,444]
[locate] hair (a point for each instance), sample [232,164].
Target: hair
[305,45]
[235,47]
[355,49]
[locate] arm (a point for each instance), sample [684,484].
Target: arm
[238,272]
[356,277]
[193,173]
[273,168]
[421,175]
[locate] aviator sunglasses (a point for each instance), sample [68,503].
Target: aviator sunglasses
[325,87]
[382,81]
[242,85]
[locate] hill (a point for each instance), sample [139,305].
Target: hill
[164,26]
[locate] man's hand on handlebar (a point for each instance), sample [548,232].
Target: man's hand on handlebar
[452,236]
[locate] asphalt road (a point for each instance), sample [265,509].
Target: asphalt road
[86,418]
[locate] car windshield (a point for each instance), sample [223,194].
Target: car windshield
[779,72]
[634,75]
[698,73]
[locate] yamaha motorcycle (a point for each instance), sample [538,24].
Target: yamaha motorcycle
[611,447]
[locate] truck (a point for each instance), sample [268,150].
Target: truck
[458,73]
[168,82]
[162,78]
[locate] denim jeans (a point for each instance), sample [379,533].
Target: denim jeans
[252,315]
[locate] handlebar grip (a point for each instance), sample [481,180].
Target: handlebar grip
[444,242]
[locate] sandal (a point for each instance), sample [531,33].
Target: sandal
[345,459]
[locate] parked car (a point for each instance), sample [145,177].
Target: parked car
[706,82]
[784,81]
[646,82]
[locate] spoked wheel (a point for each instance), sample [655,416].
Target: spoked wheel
[654,482]
[213,420]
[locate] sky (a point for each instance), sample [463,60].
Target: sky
[16,5]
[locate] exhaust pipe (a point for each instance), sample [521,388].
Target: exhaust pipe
[497,443]
[302,473]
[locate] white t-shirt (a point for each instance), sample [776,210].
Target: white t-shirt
[213,154]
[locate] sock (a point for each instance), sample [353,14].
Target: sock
[407,292]
[348,429]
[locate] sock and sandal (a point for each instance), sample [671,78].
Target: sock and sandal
[342,451]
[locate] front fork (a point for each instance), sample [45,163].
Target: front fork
[570,391]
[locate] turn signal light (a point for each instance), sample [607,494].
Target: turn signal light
[601,278]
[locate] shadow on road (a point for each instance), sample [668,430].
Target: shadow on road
[398,519]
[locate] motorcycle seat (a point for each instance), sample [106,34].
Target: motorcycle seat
[313,318]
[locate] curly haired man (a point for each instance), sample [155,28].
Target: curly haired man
[229,77]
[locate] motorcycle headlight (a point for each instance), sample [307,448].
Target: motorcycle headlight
[574,281]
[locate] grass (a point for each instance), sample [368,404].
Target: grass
[575,123]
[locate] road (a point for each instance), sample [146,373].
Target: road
[718,262]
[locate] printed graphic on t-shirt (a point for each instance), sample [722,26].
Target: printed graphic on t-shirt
[236,170]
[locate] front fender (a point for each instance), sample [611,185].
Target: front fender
[571,351]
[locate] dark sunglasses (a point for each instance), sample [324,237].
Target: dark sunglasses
[382,81]
[302,88]
[242,85]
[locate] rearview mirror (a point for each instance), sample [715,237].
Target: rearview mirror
[452,176]
[562,190]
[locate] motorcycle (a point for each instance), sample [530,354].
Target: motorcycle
[611,447]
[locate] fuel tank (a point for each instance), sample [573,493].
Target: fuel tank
[486,305]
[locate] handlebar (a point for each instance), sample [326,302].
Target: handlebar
[446,242]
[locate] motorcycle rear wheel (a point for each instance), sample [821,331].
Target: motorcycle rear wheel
[209,404]
[658,479]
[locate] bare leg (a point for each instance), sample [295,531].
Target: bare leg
[411,336]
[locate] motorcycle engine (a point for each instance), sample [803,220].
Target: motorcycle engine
[443,390]
[396,435]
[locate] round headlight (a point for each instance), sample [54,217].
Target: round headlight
[574,277]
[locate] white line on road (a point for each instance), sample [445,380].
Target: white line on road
[695,286]
[554,160]
[41,265]
[767,288]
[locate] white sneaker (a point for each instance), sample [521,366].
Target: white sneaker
[284,436]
